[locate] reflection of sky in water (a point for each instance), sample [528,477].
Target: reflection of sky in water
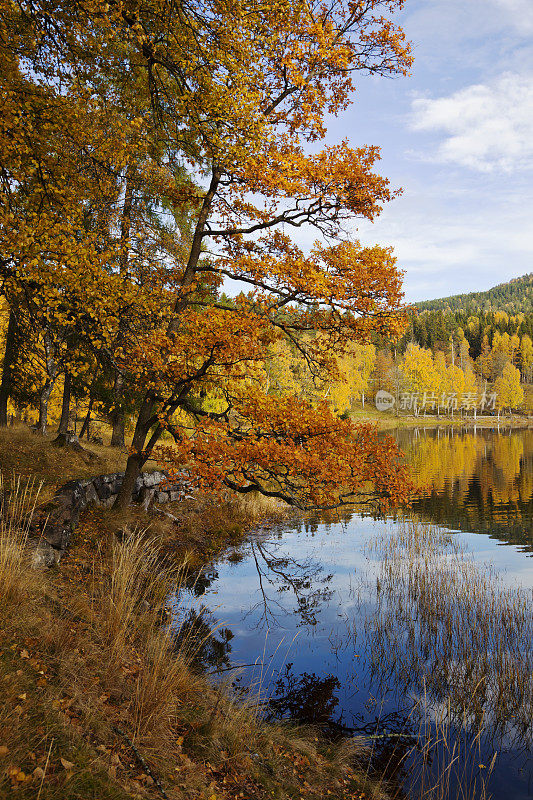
[340,551]
[302,596]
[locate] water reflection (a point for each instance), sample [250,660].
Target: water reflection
[420,643]
[201,641]
[449,631]
[305,697]
[278,573]
[479,482]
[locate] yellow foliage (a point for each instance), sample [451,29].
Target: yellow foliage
[508,388]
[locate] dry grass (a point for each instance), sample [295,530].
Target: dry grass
[101,657]
[197,530]
[458,627]
[18,499]
[32,455]
[447,765]
[450,633]
[89,665]
[132,613]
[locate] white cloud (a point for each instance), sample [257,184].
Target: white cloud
[450,244]
[487,126]
[520,13]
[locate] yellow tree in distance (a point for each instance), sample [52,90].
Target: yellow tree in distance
[508,388]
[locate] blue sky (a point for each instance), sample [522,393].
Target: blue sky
[458,137]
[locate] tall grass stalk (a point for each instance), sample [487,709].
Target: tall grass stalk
[19,497]
[451,634]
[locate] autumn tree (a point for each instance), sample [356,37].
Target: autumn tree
[508,388]
[383,375]
[355,369]
[238,94]
[11,350]
[526,356]
[81,186]
[280,88]
[419,370]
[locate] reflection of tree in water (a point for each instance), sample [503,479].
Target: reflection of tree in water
[305,697]
[198,582]
[312,700]
[203,645]
[286,574]
[480,482]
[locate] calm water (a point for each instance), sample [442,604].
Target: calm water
[317,612]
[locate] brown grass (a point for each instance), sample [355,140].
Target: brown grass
[450,632]
[31,455]
[18,499]
[469,634]
[88,665]
[91,649]
[196,530]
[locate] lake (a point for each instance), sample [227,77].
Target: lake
[414,632]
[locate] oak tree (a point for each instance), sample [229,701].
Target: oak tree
[237,95]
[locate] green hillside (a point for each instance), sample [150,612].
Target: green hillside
[514,297]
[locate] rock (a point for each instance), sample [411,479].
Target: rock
[102,488]
[45,556]
[146,497]
[75,493]
[108,502]
[153,478]
[53,523]
[90,494]
[58,532]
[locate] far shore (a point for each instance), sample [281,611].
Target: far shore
[386,420]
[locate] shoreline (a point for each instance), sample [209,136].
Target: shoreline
[386,421]
[98,695]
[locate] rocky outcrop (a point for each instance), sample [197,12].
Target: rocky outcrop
[52,524]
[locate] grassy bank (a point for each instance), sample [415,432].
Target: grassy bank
[27,453]
[388,421]
[97,699]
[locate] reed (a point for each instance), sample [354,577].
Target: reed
[450,633]
[18,497]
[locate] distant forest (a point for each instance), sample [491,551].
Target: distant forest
[435,329]
[478,317]
[514,297]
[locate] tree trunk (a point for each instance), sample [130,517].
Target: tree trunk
[65,407]
[117,415]
[117,434]
[85,428]
[43,406]
[139,454]
[134,466]
[10,355]
[146,419]
[118,420]
[48,384]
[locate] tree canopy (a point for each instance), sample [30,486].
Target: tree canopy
[153,152]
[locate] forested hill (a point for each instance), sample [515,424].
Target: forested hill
[514,297]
